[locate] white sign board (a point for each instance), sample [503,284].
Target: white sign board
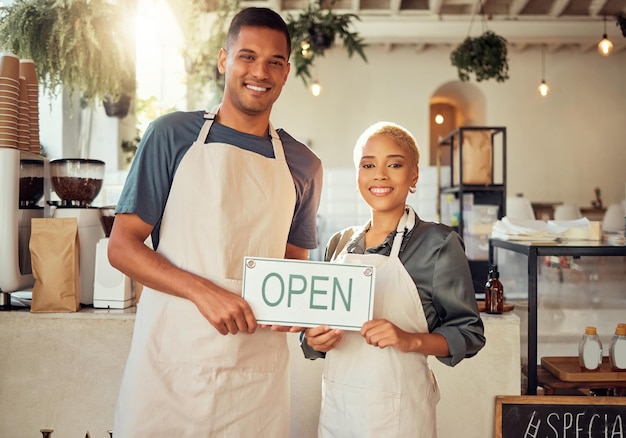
[306,293]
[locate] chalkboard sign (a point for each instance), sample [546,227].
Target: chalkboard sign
[560,417]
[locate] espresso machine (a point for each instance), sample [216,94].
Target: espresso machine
[77,182]
[23,183]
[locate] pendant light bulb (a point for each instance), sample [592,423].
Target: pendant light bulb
[605,46]
[316,89]
[543,87]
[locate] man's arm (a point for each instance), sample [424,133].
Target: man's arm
[226,311]
[296,252]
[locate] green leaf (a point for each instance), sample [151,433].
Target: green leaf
[485,56]
[80,44]
[324,21]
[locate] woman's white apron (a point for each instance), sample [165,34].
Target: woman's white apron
[372,392]
[184,379]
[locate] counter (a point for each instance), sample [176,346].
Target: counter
[62,371]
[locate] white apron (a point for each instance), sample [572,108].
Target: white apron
[372,392]
[182,378]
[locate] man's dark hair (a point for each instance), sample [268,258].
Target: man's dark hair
[258,17]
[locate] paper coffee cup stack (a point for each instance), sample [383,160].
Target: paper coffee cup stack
[28,71]
[9,96]
[19,104]
[23,117]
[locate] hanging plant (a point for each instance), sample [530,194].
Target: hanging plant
[78,44]
[315,30]
[200,53]
[484,56]
[621,22]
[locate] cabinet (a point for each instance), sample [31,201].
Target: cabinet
[533,252]
[473,195]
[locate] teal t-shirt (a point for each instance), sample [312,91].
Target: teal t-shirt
[168,138]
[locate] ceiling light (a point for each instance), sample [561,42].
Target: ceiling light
[316,88]
[543,87]
[439,119]
[605,47]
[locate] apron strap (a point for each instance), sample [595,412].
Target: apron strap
[406,224]
[209,116]
[279,151]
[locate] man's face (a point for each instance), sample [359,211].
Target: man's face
[256,68]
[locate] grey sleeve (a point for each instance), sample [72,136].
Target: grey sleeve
[454,299]
[309,353]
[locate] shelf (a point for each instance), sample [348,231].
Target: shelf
[474,188]
[567,368]
[477,167]
[448,139]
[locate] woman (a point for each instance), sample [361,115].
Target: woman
[377,381]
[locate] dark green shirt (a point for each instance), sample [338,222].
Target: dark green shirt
[434,256]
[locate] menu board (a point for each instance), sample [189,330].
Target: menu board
[560,416]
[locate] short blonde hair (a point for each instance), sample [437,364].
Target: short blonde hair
[400,135]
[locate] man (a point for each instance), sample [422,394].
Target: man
[212,188]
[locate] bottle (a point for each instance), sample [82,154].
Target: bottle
[590,351]
[617,349]
[488,289]
[495,292]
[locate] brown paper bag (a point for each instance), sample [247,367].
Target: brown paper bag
[477,159]
[55,255]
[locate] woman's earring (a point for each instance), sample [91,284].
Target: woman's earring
[412,189]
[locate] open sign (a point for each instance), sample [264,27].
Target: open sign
[307,294]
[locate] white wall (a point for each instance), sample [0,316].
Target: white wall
[559,147]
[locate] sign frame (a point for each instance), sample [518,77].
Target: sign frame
[362,277]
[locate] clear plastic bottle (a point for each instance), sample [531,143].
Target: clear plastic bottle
[617,349]
[590,350]
[495,292]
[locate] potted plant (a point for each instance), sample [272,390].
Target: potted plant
[621,22]
[129,148]
[315,30]
[119,106]
[200,53]
[78,44]
[484,56]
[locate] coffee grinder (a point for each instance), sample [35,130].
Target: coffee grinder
[111,288]
[77,182]
[22,187]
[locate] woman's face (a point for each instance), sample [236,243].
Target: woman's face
[385,174]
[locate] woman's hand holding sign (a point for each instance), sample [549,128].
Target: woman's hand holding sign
[323,338]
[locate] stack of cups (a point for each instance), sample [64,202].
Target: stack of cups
[27,70]
[9,96]
[23,117]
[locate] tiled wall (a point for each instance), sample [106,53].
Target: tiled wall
[342,206]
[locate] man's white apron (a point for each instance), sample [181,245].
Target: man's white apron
[372,392]
[184,379]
